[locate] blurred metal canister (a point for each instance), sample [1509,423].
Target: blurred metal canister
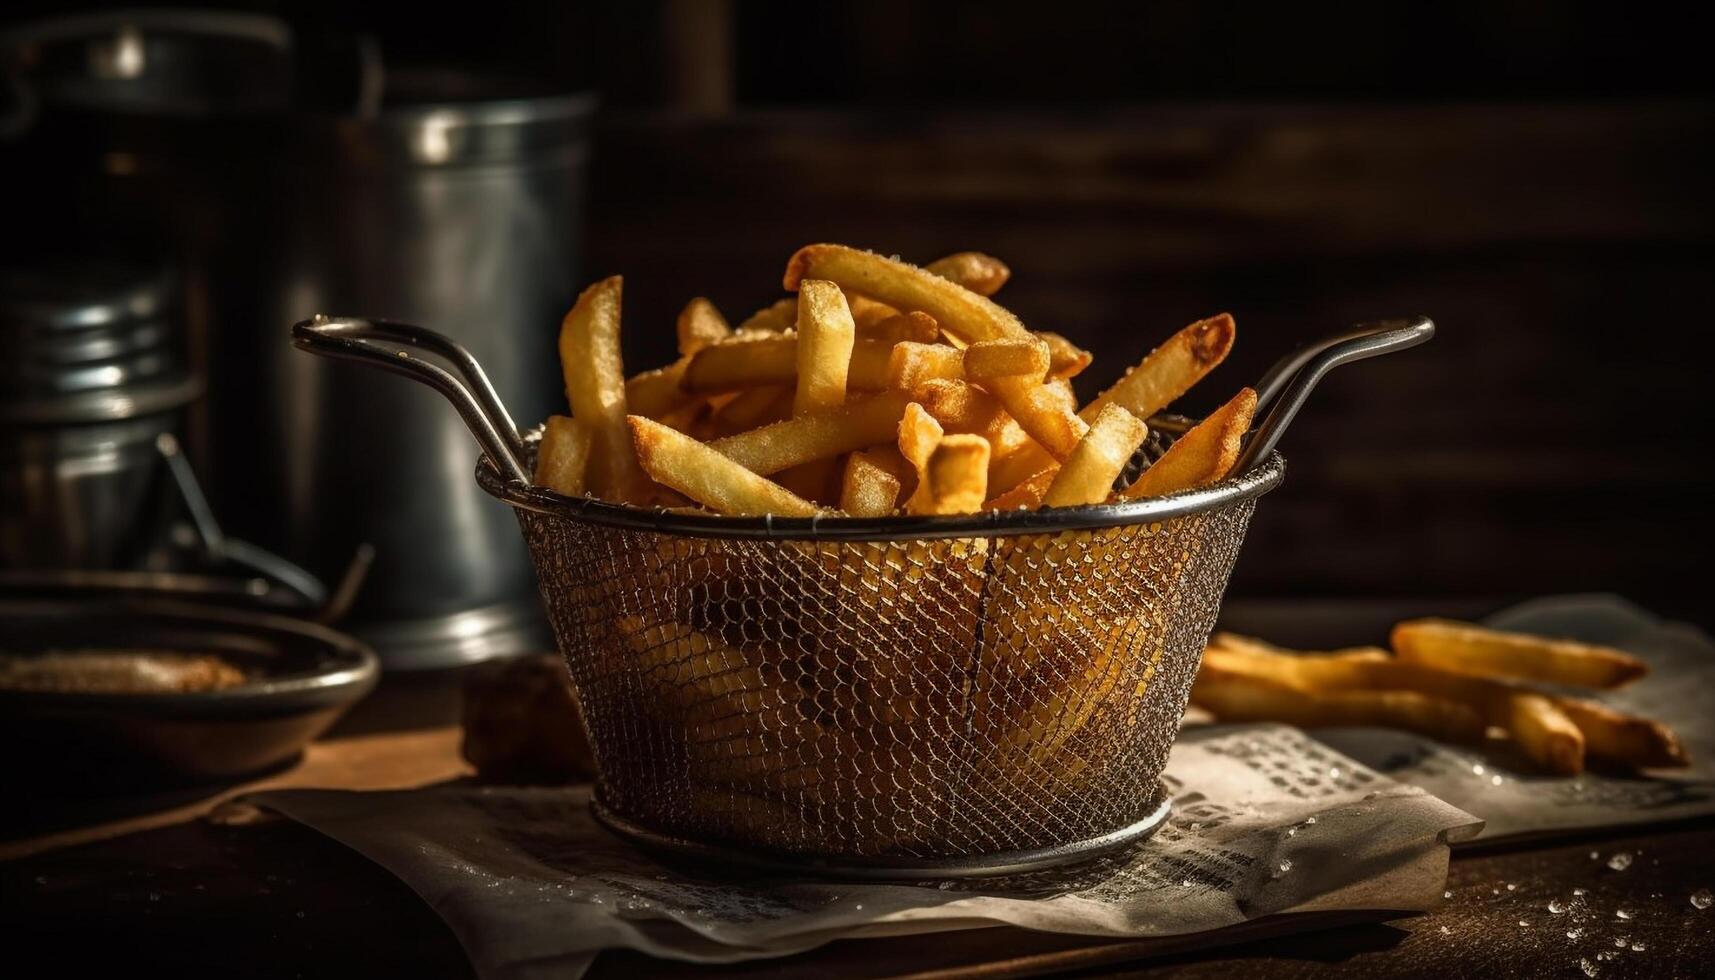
[450,207]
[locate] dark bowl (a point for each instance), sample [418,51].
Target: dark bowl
[302,677]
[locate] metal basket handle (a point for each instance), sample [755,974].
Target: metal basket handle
[1287,385]
[378,343]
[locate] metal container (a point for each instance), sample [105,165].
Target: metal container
[93,375]
[452,204]
[888,697]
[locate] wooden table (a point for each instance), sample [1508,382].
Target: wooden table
[177,890]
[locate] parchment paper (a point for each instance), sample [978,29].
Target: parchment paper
[1266,821]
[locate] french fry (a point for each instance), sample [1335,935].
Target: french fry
[1544,733]
[916,326]
[858,424]
[657,393]
[825,337]
[868,489]
[563,456]
[776,317]
[699,325]
[769,359]
[956,477]
[595,387]
[1203,455]
[918,435]
[1170,370]
[987,360]
[1625,739]
[960,312]
[963,407]
[1042,414]
[1087,476]
[1165,374]
[1469,649]
[867,313]
[762,405]
[1241,696]
[1065,359]
[676,460]
[910,364]
[979,273]
[1541,730]
[1027,495]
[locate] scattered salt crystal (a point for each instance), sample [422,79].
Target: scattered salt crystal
[1447,894]
[858,906]
[1496,780]
[1523,924]
[1494,891]
[1607,955]
[1310,820]
[1638,947]
[1590,969]
[1556,906]
[1446,931]
[1478,769]
[1622,913]
[1620,861]
[1282,868]
[1292,831]
[1574,933]
[1187,883]
[1621,941]
[1511,887]
[1702,899]
[1579,893]
[1594,855]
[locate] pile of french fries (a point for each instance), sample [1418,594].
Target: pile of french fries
[1451,681]
[879,388]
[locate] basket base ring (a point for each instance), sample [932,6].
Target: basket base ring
[888,868]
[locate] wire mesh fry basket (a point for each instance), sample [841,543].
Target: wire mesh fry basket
[883,697]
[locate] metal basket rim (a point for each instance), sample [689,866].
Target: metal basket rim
[1260,479]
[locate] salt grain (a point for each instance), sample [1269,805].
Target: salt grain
[1702,899]
[1620,861]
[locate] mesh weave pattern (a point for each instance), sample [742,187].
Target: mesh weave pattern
[920,698]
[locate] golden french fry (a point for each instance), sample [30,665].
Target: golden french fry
[1087,476]
[1203,455]
[1470,649]
[1241,696]
[1544,733]
[1625,739]
[910,364]
[916,326]
[867,313]
[595,386]
[1541,730]
[1065,359]
[825,337]
[770,359]
[763,405]
[776,317]
[963,407]
[1168,372]
[987,360]
[918,435]
[859,424]
[711,479]
[956,477]
[868,488]
[699,325]
[1171,369]
[979,273]
[563,456]
[1043,415]
[960,312]
[1027,495]
[657,393]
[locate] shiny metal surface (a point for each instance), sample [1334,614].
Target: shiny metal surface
[461,211]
